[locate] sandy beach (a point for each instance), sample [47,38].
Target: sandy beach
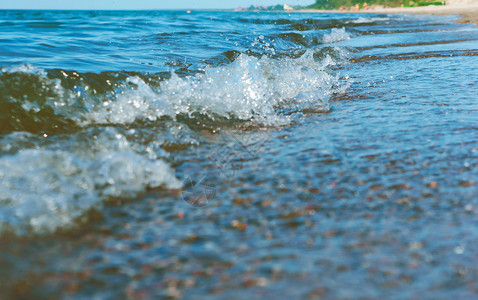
[467,9]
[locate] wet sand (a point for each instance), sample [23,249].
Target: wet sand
[467,9]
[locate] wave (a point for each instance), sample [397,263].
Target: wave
[316,24]
[249,88]
[29,99]
[43,189]
[368,21]
[336,35]
[70,141]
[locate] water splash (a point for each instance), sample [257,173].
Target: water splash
[336,35]
[248,89]
[44,189]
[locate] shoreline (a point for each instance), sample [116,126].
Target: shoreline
[467,11]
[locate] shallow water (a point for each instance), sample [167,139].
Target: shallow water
[244,155]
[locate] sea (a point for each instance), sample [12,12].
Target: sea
[237,155]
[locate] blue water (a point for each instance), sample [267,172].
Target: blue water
[147,41]
[161,154]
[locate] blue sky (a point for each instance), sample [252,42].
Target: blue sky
[143,4]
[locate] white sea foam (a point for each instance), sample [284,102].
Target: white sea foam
[367,20]
[42,190]
[250,88]
[25,68]
[336,35]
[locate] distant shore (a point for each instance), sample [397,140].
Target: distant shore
[467,10]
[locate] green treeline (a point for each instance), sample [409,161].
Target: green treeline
[336,4]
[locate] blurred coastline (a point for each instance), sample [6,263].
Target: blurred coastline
[467,9]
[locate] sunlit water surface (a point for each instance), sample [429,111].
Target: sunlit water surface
[153,154]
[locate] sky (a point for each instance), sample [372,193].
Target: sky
[141,4]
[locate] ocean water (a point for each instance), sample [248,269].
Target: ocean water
[165,154]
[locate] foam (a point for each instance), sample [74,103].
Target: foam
[362,20]
[336,35]
[43,189]
[250,88]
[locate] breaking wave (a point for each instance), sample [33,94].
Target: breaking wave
[248,89]
[69,140]
[43,188]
